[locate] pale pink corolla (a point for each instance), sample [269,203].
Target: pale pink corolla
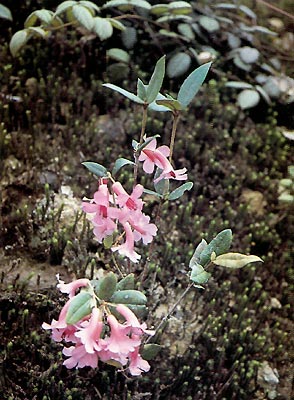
[132,321]
[79,357]
[90,331]
[177,174]
[154,157]
[142,228]
[99,206]
[127,248]
[137,363]
[70,288]
[133,201]
[60,329]
[150,154]
[119,342]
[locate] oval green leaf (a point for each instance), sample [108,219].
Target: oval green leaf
[128,297]
[219,245]
[248,98]
[118,55]
[17,41]
[96,169]
[5,13]
[199,275]
[235,260]
[80,306]
[128,282]
[106,286]
[195,259]
[177,193]
[83,16]
[178,65]
[65,5]
[119,163]
[102,27]
[192,84]
[129,95]
[150,351]
[156,80]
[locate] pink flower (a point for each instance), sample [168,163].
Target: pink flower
[150,155]
[103,224]
[177,174]
[60,329]
[127,248]
[142,228]
[119,342]
[70,288]
[79,357]
[137,363]
[133,201]
[132,321]
[90,331]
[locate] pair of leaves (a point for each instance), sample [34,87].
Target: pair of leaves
[100,171]
[146,94]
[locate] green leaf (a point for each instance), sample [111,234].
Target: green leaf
[117,24]
[264,94]
[248,98]
[141,90]
[219,245]
[83,16]
[172,104]
[249,54]
[186,30]
[180,7]
[119,163]
[128,297]
[129,95]
[45,16]
[226,6]
[89,5]
[156,107]
[192,84]
[178,64]
[102,27]
[96,169]
[79,307]
[152,193]
[195,259]
[156,80]
[246,10]
[129,37]
[36,30]
[235,260]
[105,287]
[199,275]
[241,64]
[150,351]
[177,193]
[18,40]
[5,13]
[65,5]
[238,85]
[139,310]
[127,4]
[159,9]
[161,187]
[118,55]
[128,282]
[209,24]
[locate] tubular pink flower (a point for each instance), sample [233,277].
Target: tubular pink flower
[148,161]
[70,288]
[99,206]
[142,228]
[60,329]
[127,248]
[133,201]
[90,334]
[118,342]
[137,363]
[79,357]
[132,321]
[177,174]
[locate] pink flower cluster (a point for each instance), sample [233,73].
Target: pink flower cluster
[107,209]
[152,156]
[100,336]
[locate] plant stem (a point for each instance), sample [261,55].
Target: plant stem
[143,127]
[176,118]
[172,309]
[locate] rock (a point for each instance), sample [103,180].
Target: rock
[268,379]
[255,201]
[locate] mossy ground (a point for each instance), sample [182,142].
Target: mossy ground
[214,344]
